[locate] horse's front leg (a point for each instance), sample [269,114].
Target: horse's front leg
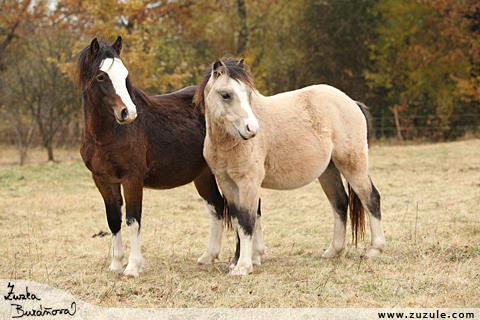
[244,214]
[258,247]
[113,206]
[133,192]
[214,203]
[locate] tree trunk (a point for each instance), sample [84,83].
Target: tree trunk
[24,137]
[394,110]
[49,146]
[242,35]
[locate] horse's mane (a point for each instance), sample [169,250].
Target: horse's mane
[236,69]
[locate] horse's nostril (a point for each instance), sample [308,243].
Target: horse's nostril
[248,128]
[124,114]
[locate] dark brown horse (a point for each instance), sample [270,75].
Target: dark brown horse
[161,148]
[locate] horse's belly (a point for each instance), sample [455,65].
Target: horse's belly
[173,175]
[285,184]
[292,179]
[296,163]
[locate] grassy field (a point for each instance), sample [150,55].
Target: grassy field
[430,203]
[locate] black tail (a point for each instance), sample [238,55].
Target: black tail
[368,118]
[357,215]
[227,219]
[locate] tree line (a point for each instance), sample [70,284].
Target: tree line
[415,63]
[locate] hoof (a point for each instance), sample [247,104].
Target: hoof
[116,266]
[206,259]
[372,253]
[257,256]
[331,253]
[241,271]
[133,270]
[130,274]
[257,260]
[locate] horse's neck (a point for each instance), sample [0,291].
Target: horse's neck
[97,125]
[219,137]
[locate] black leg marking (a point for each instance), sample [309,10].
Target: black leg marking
[259,211]
[244,218]
[114,218]
[134,212]
[237,252]
[374,203]
[332,185]
[132,220]
[341,206]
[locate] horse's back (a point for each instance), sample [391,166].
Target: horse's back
[184,94]
[315,122]
[323,108]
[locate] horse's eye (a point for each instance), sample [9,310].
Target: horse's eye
[100,78]
[225,95]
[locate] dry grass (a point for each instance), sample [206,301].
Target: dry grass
[430,201]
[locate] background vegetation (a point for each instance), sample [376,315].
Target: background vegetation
[416,63]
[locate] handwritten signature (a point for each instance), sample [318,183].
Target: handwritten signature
[38,312]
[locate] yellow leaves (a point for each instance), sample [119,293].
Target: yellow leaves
[425,51]
[468,89]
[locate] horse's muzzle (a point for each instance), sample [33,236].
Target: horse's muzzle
[249,133]
[124,114]
[124,117]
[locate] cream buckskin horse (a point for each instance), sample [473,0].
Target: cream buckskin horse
[285,142]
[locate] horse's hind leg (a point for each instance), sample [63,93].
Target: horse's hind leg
[208,190]
[359,179]
[370,198]
[332,185]
[113,203]
[378,243]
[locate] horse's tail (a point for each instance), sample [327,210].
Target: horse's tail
[357,215]
[227,219]
[368,118]
[357,212]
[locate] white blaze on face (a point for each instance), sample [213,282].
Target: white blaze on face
[118,74]
[241,92]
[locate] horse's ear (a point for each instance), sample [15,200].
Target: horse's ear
[118,45]
[94,47]
[241,63]
[218,69]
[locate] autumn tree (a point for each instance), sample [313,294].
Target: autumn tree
[37,84]
[336,37]
[425,54]
[13,16]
